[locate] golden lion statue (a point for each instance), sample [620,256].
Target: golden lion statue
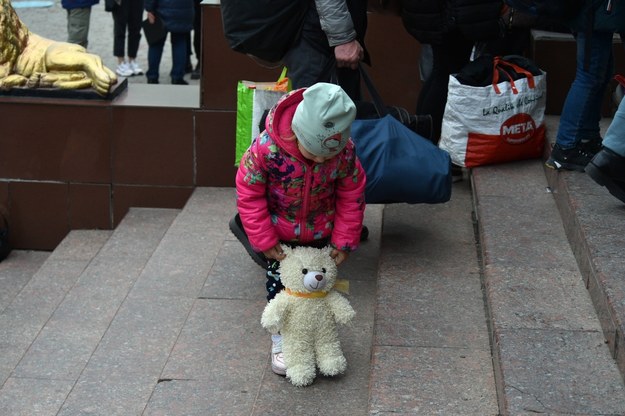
[27,59]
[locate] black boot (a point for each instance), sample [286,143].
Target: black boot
[364,233]
[236,227]
[608,169]
[179,81]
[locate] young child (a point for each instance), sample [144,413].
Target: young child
[301,183]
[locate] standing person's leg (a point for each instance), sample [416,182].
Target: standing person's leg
[607,168]
[578,137]
[179,54]
[308,63]
[197,36]
[135,16]
[197,29]
[447,58]
[189,66]
[120,19]
[425,62]
[615,136]
[78,25]
[155,53]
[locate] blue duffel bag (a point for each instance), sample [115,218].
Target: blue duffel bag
[401,166]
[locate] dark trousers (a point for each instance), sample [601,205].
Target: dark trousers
[197,33]
[447,58]
[178,53]
[127,17]
[311,60]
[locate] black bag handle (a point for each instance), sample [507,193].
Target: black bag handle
[378,103]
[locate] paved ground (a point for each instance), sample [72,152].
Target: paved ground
[51,22]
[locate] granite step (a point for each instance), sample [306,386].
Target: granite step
[52,327]
[29,310]
[431,351]
[16,271]
[593,221]
[550,353]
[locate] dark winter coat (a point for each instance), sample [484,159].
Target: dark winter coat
[602,16]
[429,21]
[177,15]
[78,4]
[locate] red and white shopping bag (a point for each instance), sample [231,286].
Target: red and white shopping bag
[497,123]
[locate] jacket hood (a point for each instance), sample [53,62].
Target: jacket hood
[278,122]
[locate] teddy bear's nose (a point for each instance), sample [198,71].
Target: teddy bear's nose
[319,277]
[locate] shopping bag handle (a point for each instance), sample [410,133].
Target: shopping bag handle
[378,103]
[519,69]
[499,63]
[496,80]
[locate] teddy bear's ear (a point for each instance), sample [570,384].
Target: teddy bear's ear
[327,250]
[286,249]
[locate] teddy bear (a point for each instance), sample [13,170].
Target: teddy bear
[306,314]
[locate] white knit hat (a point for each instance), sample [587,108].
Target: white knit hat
[322,121]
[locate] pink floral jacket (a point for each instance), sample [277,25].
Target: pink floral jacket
[282,196]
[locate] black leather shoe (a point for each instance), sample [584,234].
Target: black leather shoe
[152,81]
[608,169]
[180,81]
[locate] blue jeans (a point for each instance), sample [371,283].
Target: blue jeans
[581,112]
[178,55]
[615,136]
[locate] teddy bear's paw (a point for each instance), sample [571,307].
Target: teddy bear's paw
[345,319]
[332,366]
[300,375]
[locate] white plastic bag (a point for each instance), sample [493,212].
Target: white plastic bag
[498,123]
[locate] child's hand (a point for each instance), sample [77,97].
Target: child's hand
[275,253]
[339,256]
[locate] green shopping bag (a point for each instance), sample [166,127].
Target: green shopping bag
[253,99]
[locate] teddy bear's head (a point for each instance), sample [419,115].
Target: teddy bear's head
[308,269]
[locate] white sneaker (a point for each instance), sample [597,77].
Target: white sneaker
[124,70]
[136,70]
[277,357]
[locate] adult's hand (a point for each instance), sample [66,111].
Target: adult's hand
[348,55]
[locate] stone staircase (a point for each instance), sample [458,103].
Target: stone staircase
[474,307]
